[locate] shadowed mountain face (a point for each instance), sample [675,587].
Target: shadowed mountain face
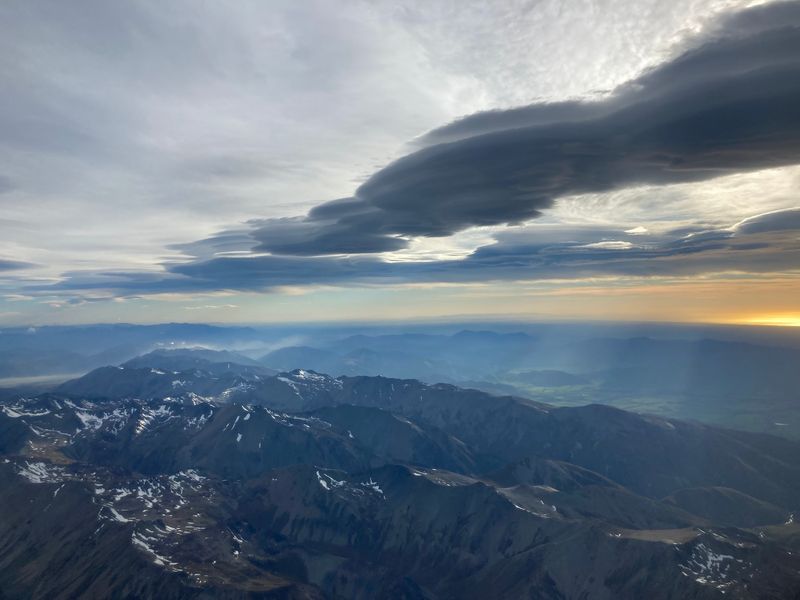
[236,483]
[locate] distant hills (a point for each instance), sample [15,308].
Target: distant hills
[29,351]
[731,383]
[183,359]
[632,365]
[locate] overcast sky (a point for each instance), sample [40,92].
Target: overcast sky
[315,160]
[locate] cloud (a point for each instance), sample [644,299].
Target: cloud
[754,246]
[14,265]
[6,185]
[211,307]
[352,231]
[145,124]
[778,220]
[727,104]
[755,249]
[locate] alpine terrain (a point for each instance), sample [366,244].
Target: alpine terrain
[174,478]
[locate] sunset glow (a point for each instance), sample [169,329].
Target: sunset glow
[785,320]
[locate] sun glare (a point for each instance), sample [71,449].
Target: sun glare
[779,320]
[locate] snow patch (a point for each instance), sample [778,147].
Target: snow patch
[708,567]
[117,517]
[328,482]
[39,472]
[88,420]
[143,542]
[16,412]
[373,485]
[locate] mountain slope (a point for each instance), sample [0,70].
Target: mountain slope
[302,485]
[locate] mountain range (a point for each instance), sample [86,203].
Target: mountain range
[743,378]
[189,475]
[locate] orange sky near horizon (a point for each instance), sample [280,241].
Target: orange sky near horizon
[767,300]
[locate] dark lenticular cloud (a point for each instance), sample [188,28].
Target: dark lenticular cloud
[728,104]
[764,243]
[781,220]
[760,244]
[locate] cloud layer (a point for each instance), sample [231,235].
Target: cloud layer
[728,104]
[725,103]
[766,243]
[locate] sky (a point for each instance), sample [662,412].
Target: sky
[260,162]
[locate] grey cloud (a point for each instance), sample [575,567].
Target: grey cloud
[232,241]
[727,104]
[740,42]
[755,249]
[759,18]
[300,236]
[6,185]
[14,265]
[780,220]
[521,255]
